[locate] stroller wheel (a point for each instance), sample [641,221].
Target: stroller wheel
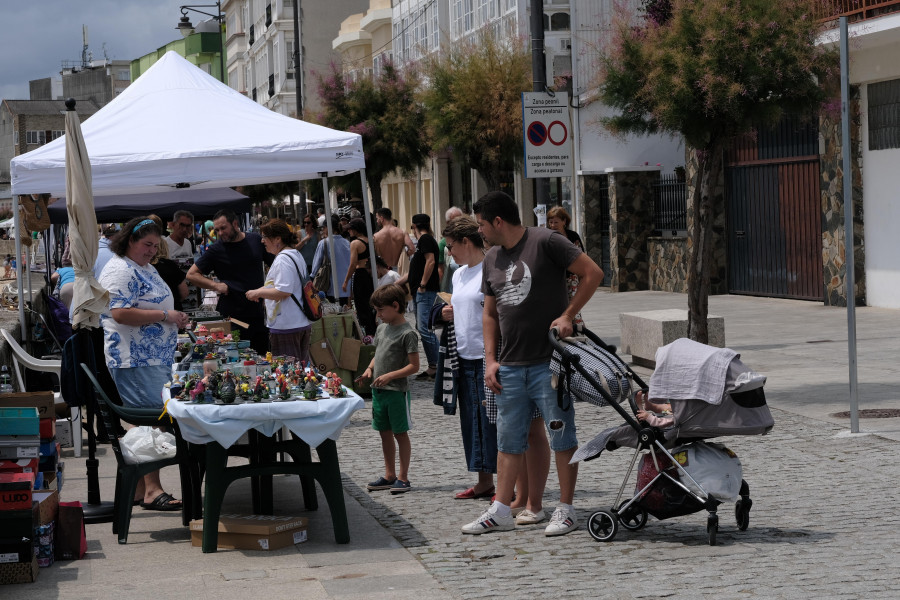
[603,526]
[633,518]
[742,513]
[712,528]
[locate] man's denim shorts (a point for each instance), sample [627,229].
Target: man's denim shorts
[524,387]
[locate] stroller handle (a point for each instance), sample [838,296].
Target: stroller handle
[559,347]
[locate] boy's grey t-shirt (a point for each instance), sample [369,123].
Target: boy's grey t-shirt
[393,345]
[528,282]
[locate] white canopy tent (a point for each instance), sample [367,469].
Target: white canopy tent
[176,127]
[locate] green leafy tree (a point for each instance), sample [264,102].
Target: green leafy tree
[473,103]
[384,111]
[709,71]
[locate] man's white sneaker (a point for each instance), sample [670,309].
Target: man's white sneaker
[526,517]
[488,522]
[561,522]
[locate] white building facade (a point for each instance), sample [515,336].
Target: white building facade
[259,49]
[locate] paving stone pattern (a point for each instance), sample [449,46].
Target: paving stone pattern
[823,522]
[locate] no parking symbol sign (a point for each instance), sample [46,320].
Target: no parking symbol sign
[548,146]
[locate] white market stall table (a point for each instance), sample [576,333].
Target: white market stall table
[314,423]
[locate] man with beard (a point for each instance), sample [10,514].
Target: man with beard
[525,295]
[237,259]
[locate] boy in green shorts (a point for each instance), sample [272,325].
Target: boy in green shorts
[396,358]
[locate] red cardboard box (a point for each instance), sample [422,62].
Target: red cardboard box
[22,465]
[16,490]
[48,428]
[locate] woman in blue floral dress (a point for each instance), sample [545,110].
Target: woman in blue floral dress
[140,332]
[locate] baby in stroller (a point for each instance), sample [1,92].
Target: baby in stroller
[647,411]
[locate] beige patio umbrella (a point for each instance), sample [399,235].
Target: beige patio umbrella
[89,299]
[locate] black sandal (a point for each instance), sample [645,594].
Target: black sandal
[163,502]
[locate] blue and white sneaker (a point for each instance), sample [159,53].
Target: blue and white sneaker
[490,521]
[562,522]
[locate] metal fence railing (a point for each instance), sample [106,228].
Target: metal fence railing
[854,10]
[670,204]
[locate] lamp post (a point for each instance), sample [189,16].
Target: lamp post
[187,28]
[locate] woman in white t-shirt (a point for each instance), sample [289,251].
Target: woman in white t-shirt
[140,332]
[289,329]
[467,304]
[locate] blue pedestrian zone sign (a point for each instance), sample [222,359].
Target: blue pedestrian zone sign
[548,146]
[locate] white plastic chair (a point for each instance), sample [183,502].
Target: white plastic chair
[47,366]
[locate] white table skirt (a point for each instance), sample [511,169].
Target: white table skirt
[311,421]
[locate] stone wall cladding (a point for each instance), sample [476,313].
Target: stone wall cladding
[630,203]
[832,190]
[592,238]
[668,264]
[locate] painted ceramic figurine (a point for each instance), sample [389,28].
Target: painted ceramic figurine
[227,391]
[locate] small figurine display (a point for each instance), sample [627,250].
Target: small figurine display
[260,390]
[228,392]
[197,390]
[176,386]
[284,392]
[334,385]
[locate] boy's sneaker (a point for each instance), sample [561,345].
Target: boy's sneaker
[526,517]
[400,487]
[381,484]
[561,522]
[488,522]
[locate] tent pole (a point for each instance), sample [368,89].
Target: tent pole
[335,286]
[368,216]
[18,273]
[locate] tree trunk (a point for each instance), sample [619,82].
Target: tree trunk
[709,163]
[375,189]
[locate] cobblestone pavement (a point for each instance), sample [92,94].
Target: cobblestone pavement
[822,524]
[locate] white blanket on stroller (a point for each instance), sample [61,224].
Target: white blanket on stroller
[687,370]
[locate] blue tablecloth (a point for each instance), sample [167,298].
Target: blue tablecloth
[311,421]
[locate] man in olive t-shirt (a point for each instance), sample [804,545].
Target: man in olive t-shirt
[524,285]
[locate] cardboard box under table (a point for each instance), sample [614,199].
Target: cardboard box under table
[254,532]
[313,423]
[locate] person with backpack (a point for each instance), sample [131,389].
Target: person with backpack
[289,327]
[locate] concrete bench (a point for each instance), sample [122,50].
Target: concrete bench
[644,332]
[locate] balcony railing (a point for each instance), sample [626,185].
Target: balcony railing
[855,10]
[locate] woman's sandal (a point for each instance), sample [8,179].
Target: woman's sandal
[163,502]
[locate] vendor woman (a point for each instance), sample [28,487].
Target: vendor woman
[140,331]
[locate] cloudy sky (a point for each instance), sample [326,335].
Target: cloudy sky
[39,34]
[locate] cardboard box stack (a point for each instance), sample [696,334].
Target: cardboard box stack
[254,532]
[29,462]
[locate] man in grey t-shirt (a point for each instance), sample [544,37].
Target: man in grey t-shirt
[524,285]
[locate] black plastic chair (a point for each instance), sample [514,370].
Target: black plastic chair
[128,475]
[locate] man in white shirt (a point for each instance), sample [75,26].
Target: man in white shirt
[179,241]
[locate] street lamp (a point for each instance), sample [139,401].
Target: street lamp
[187,28]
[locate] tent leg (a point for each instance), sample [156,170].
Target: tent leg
[368,213]
[335,285]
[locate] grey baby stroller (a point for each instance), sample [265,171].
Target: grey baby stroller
[711,393]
